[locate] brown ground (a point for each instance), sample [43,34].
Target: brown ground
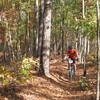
[58,87]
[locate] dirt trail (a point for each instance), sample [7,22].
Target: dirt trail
[58,87]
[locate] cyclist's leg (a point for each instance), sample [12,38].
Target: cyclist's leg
[72,70]
[74,63]
[68,63]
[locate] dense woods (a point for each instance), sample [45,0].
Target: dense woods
[35,32]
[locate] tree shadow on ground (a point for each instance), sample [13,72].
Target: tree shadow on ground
[57,83]
[42,88]
[37,91]
[69,96]
[83,97]
[10,92]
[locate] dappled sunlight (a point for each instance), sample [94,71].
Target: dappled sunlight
[56,87]
[37,39]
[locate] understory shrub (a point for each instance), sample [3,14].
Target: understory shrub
[18,72]
[84,84]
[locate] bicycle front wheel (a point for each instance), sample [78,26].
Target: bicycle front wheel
[72,72]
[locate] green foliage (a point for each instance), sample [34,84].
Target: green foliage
[73,20]
[18,72]
[84,85]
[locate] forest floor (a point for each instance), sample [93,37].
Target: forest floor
[57,87]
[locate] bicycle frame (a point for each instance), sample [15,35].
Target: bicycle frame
[71,69]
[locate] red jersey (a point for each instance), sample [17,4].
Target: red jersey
[72,54]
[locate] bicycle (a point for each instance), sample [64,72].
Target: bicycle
[71,69]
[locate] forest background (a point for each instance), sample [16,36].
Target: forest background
[33,32]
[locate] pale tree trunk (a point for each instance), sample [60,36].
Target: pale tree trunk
[37,29]
[81,35]
[76,45]
[98,52]
[85,53]
[46,38]
[85,39]
[88,46]
[83,9]
[81,48]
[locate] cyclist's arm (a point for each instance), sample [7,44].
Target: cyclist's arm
[66,56]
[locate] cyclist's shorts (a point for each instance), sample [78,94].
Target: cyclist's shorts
[74,61]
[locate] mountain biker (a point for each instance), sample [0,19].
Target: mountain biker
[73,55]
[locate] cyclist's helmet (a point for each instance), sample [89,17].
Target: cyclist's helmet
[70,47]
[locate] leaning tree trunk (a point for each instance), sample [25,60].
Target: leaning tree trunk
[98,52]
[46,38]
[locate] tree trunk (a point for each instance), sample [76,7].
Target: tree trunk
[41,26]
[46,38]
[85,40]
[27,35]
[88,46]
[62,23]
[37,29]
[85,54]
[98,52]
